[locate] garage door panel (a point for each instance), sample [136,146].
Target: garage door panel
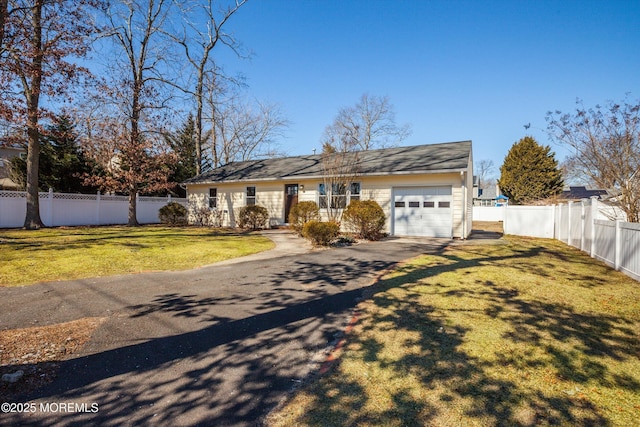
[423,211]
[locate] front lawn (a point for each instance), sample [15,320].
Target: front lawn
[28,257]
[531,332]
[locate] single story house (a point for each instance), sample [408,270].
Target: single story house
[424,190]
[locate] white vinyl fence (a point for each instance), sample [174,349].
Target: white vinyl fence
[585,225]
[617,243]
[59,209]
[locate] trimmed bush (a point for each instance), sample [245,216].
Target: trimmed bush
[173,214]
[365,218]
[253,217]
[302,213]
[207,217]
[321,233]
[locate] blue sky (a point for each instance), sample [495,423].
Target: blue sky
[454,70]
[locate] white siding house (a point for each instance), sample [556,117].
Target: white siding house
[424,190]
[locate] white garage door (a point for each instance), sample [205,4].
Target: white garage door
[423,211]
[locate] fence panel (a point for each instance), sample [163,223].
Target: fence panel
[576,225]
[113,210]
[60,209]
[629,257]
[533,221]
[148,208]
[70,209]
[13,209]
[605,241]
[562,227]
[488,213]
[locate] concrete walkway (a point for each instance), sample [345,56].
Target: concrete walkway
[287,243]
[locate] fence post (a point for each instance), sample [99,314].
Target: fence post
[504,219]
[98,208]
[569,209]
[617,247]
[50,204]
[594,215]
[582,224]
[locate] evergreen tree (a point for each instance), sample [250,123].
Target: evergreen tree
[62,161]
[530,172]
[183,144]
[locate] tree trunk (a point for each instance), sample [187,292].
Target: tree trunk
[133,204]
[32,219]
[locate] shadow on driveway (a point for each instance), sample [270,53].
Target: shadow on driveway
[249,334]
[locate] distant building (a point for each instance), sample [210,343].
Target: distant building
[486,196]
[8,152]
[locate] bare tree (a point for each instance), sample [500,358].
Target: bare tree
[370,124]
[484,169]
[198,39]
[605,144]
[40,39]
[245,131]
[339,172]
[123,163]
[136,27]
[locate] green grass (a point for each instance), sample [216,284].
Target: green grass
[51,254]
[527,333]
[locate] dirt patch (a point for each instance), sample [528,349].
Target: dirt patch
[37,351]
[488,226]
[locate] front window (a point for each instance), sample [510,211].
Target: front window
[251,196]
[339,196]
[322,196]
[213,198]
[354,194]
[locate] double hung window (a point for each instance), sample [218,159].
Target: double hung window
[213,198]
[251,196]
[337,195]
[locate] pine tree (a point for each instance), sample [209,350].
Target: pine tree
[62,162]
[530,172]
[183,144]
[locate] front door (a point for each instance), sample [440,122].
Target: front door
[290,199]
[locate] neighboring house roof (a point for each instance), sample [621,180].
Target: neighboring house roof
[446,157]
[582,193]
[489,192]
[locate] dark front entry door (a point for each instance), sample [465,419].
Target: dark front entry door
[290,199]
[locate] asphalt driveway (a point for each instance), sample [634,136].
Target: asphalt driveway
[219,345]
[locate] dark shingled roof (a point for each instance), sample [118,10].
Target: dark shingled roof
[582,193]
[451,156]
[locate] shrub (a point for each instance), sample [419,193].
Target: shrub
[302,213]
[207,217]
[321,233]
[253,217]
[173,214]
[365,218]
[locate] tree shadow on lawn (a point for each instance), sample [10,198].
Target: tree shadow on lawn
[140,238]
[438,369]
